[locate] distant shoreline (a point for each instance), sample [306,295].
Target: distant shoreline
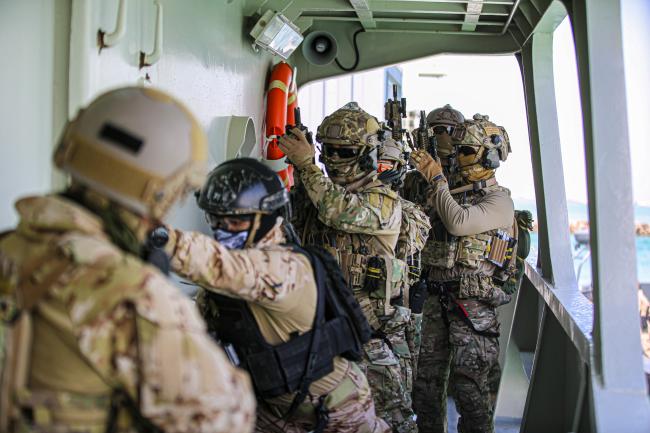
[641,229]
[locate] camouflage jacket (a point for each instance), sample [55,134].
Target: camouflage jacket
[352,225]
[277,283]
[414,232]
[102,320]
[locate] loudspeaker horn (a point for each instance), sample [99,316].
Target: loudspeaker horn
[319,48]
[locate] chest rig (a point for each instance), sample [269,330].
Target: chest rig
[339,329]
[496,248]
[372,272]
[413,235]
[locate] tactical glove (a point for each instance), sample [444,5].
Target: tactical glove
[154,248]
[297,148]
[418,295]
[426,165]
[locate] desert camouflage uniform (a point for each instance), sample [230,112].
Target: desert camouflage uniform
[278,285]
[467,278]
[355,224]
[101,321]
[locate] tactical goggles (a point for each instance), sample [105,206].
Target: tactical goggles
[455,132]
[342,152]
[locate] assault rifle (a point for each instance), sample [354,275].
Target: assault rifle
[425,139]
[300,126]
[394,111]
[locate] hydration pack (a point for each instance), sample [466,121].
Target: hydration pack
[339,329]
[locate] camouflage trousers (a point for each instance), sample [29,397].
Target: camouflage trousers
[434,363]
[469,358]
[389,390]
[350,405]
[387,364]
[414,340]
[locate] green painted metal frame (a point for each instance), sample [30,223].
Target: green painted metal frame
[587,374]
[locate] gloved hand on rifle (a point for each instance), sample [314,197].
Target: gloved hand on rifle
[427,166]
[417,295]
[159,247]
[297,148]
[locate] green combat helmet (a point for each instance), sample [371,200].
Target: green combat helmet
[444,122]
[446,115]
[349,138]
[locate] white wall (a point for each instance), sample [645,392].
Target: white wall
[30,87]
[207,63]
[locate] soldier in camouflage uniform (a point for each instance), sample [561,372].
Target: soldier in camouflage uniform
[473,242]
[249,260]
[414,231]
[99,341]
[357,219]
[432,381]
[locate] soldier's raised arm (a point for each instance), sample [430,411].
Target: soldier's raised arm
[494,211]
[256,275]
[344,207]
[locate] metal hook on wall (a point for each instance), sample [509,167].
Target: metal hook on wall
[148,59]
[105,40]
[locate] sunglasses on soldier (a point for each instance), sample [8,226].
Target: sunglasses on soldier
[342,152]
[441,129]
[455,132]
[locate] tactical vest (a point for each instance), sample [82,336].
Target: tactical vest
[367,261]
[496,248]
[339,329]
[374,275]
[413,235]
[104,408]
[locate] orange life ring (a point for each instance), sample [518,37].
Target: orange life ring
[280,91]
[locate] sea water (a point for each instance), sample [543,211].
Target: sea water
[642,259]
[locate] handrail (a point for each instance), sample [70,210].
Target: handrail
[148,59]
[105,40]
[573,310]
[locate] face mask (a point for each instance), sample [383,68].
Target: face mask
[231,240]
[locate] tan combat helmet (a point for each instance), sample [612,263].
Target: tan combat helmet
[349,138]
[139,147]
[484,144]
